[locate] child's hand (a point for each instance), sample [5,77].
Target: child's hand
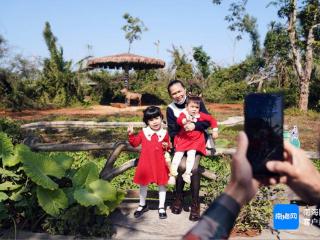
[165,146]
[215,134]
[184,121]
[130,130]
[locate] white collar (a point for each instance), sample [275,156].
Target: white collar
[148,132]
[191,117]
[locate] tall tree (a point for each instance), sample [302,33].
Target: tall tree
[302,55]
[58,78]
[133,29]
[203,61]
[303,25]
[181,64]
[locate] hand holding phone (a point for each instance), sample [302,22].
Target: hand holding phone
[264,128]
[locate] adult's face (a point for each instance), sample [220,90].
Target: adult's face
[177,92]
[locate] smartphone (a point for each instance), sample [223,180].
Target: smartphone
[263,125]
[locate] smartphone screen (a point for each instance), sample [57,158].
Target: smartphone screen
[264,128]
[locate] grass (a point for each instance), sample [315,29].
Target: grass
[308,124]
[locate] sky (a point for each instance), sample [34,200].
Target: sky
[98,23]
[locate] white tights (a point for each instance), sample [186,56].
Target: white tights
[143,196]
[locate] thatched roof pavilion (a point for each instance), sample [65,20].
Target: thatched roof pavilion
[125,61]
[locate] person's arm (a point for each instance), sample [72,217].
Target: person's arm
[218,221]
[180,119]
[134,140]
[173,127]
[298,172]
[207,117]
[213,124]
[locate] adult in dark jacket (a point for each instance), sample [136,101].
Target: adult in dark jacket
[178,94]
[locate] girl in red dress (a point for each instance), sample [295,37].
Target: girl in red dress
[191,141]
[151,167]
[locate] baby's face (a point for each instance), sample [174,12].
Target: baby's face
[193,108]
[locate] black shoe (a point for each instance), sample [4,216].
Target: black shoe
[161,214]
[195,211]
[176,206]
[144,209]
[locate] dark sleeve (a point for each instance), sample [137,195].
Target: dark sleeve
[202,126]
[173,127]
[217,221]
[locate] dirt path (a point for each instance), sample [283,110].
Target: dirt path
[100,110]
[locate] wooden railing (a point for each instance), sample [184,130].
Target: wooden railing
[109,171]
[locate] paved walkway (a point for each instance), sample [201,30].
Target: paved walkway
[149,226]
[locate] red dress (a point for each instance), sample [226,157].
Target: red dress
[192,140]
[151,167]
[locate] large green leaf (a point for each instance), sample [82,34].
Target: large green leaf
[86,198]
[69,193]
[52,201]
[7,173]
[85,175]
[8,186]
[6,146]
[3,196]
[103,209]
[103,189]
[113,204]
[63,160]
[108,206]
[11,161]
[17,195]
[38,166]
[96,193]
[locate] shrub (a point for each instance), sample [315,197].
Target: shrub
[31,180]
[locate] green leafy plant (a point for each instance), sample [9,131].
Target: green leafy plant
[47,180]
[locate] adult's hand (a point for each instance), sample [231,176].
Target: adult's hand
[298,172]
[242,186]
[189,126]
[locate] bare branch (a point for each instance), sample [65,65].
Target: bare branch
[114,155]
[108,175]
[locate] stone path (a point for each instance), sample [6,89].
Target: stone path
[149,226]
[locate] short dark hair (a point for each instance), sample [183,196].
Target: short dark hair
[195,99]
[172,82]
[151,112]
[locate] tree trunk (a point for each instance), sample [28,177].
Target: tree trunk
[126,77]
[303,72]
[304,94]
